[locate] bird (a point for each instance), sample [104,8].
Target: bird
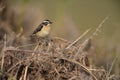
[43,30]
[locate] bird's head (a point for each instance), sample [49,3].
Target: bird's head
[46,22]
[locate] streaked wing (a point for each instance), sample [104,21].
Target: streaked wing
[38,29]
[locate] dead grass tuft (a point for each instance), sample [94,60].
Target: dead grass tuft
[48,61]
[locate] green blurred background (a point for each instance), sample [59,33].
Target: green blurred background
[71,18]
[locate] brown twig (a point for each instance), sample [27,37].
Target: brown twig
[72,78]
[25,75]
[3,53]
[26,45]
[36,47]
[84,67]
[26,70]
[29,51]
[27,59]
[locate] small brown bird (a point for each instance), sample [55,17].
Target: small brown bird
[43,29]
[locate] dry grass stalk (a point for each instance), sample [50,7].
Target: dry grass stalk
[109,72]
[75,41]
[99,26]
[25,75]
[3,53]
[82,47]
[37,46]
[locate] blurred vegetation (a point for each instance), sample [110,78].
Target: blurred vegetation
[71,18]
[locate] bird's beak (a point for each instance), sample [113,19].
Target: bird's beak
[51,22]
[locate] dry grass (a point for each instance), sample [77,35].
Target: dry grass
[50,61]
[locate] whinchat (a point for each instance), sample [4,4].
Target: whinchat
[43,29]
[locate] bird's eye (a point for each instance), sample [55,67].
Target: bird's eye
[45,23]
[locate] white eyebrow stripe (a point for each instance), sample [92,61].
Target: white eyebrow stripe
[45,21]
